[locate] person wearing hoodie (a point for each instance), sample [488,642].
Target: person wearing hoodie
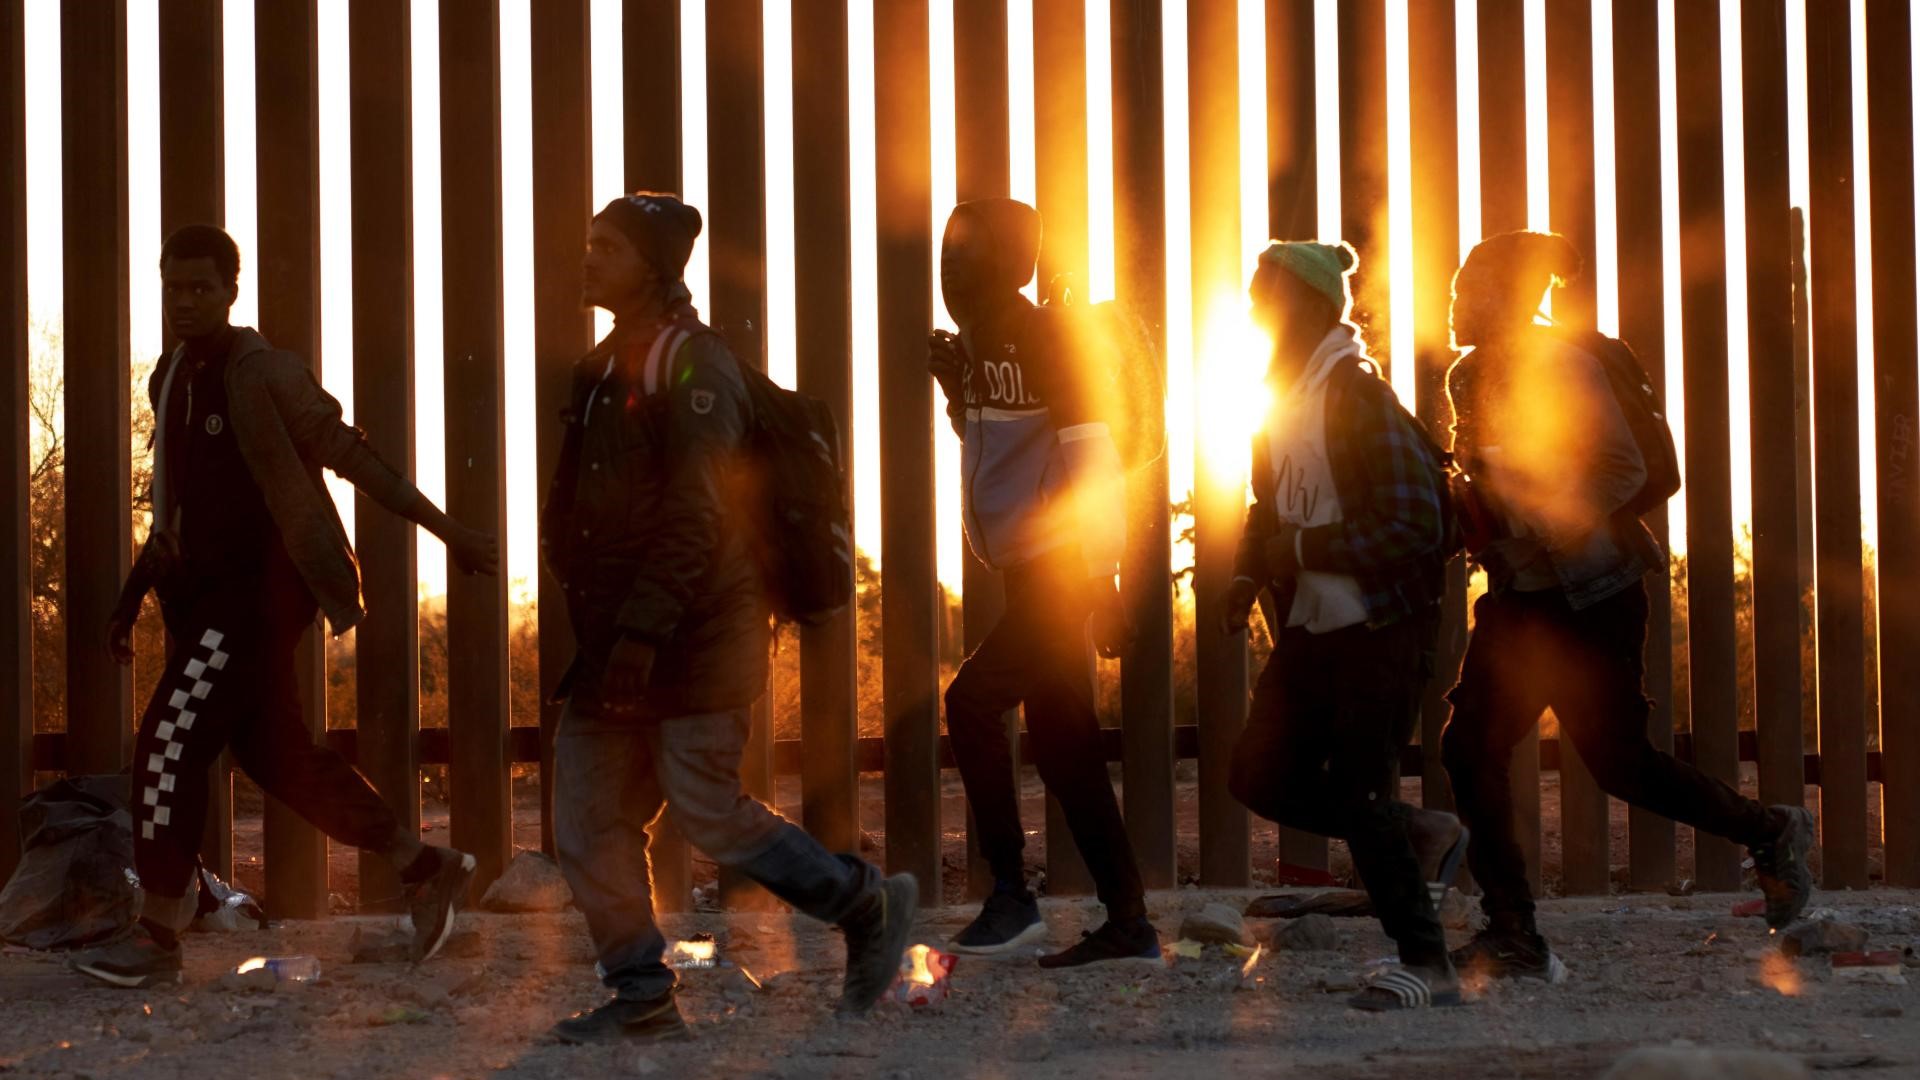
[1543,440]
[244,549]
[1349,531]
[1042,502]
[672,622]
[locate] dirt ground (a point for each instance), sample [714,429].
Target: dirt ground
[1647,969]
[1643,973]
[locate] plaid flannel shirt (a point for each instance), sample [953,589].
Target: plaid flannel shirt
[1393,530]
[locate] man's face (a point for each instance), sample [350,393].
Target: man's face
[1289,313]
[612,274]
[194,297]
[964,267]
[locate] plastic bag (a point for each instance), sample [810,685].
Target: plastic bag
[72,887]
[223,908]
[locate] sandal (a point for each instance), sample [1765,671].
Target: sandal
[1400,989]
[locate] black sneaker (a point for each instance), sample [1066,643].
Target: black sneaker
[1508,954]
[135,961]
[1132,940]
[1781,864]
[877,933]
[1006,921]
[654,1020]
[432,901]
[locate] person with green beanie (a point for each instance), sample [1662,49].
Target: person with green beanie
[1349,531]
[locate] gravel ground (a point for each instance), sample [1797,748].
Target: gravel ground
[1646,970]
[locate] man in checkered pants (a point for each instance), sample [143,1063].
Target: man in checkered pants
[245,551]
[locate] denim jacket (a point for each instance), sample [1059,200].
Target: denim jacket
[1537,427]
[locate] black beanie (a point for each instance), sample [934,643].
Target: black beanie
[659,226]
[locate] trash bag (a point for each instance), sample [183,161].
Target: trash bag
[224,908]
[73,885]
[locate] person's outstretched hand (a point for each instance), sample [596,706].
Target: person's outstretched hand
[474,552]
[945,361]
[1113,631]
[120,636]
[1237,606]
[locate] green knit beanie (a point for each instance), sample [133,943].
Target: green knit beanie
[1323,267]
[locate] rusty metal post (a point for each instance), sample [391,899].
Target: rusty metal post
[1636,93]
[98,439]
[1140,266]
[1890,134]
[910,593]
[823,301]
[1836,436]
[477,717]
[387,642]
[287,138]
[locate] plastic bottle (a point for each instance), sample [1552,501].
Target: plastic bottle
[286,968]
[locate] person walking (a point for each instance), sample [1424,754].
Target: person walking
[1558,471]
[1042,500]
[244,549]
[672,620]
[1350,532]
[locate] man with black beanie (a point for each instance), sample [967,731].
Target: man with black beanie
[245,549]
[672,621]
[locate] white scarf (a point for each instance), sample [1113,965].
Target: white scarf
[1304,493]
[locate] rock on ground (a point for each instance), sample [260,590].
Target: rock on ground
[532,883]
[1688,1063]
[1216,924]
[1309,933]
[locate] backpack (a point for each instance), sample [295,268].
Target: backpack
[1447,477]
[1646,412]
[1134,389]
[796,499]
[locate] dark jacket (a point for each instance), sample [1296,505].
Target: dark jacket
[1539,430]
[1392,492]
[288,429]
[641,524]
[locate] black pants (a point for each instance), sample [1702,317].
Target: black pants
[1531,651]
[1331,713]
[1037,655]
[230,682]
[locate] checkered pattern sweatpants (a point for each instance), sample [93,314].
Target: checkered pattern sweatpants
[230,683]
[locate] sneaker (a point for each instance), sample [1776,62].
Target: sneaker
[877,933]
[1006,921]
[135,961]
[432,901]
[1132,940]
[653,1020]
[1781,864]
[1508,954]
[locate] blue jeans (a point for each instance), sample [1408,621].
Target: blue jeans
[613,778]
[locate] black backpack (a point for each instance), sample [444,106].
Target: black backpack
[796,499]
[1645,409]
